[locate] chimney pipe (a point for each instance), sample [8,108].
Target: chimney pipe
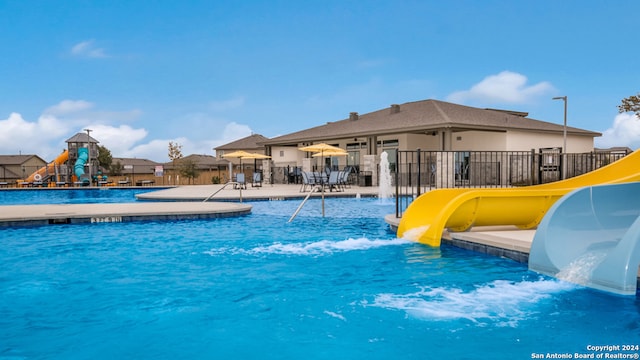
[395,108]
[353,116]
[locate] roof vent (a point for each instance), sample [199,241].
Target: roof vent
[353,116]
[395,108]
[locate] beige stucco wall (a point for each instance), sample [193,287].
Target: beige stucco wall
[524,141]
[286,155]
[479,141]
[420,141]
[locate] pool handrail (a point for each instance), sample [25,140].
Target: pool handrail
[222,188]
[304,201]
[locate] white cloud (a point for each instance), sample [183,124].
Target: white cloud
[234,131]
[505,87]
[88,49]
[223,105]
[44,137]
[625,131]
[68,107]
[119,140]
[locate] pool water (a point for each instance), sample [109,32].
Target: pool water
[69,196]
[258,287]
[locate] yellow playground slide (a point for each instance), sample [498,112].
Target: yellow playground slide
[49,169]
[460,209]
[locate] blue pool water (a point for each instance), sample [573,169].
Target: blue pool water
[69,196]
[258,287]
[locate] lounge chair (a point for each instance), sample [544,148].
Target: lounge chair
[257,180]
[240,183]
[334,181]
[308,180]
[344,178]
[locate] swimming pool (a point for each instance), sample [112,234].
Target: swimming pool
[69,196]
[259,287]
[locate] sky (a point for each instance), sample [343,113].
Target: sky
[142,73]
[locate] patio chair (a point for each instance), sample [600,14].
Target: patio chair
[308,180]
[257,180]
[240,183]
[334,181]
[344,178]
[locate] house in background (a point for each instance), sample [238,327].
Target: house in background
[132,171]
[428,125]
[16,167]
[253,143]
[209,169]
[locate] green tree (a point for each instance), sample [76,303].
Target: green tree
[188,168]
[104,157]
[630,104]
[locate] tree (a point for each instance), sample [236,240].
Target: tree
[188,169]
[104,157]
[175,153]
[632,104]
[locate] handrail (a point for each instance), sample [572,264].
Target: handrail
[303,202]
[222,188]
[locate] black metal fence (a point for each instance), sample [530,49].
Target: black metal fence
[420,171]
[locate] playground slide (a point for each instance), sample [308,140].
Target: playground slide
[592,237]
[460,209]
[78,167]
[48,169]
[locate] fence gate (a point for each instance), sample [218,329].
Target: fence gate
[550,165]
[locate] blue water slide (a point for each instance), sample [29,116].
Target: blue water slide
[594,232]
[83,157]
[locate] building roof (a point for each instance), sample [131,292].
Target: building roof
[135,165]
[17,159]
[134,161]
[81,138]
[421,116]
[251,142]
[202,161]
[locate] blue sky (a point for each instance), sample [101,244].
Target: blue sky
[204,73]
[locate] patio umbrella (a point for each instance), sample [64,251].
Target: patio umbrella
[322,149]
[241,154]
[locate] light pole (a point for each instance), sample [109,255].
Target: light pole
[564,136]
[89,153]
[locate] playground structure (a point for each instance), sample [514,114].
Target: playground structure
[76,165]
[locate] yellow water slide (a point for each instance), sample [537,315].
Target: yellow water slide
[460,209]
[49,169]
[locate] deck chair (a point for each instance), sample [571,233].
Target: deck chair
[308,180]
[257,180]
[240,183]
[334,181]
[344,177]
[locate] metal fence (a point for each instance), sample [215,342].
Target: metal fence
[420,171]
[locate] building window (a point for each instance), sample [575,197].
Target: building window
[281,153]
[388,143]
[353,159]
